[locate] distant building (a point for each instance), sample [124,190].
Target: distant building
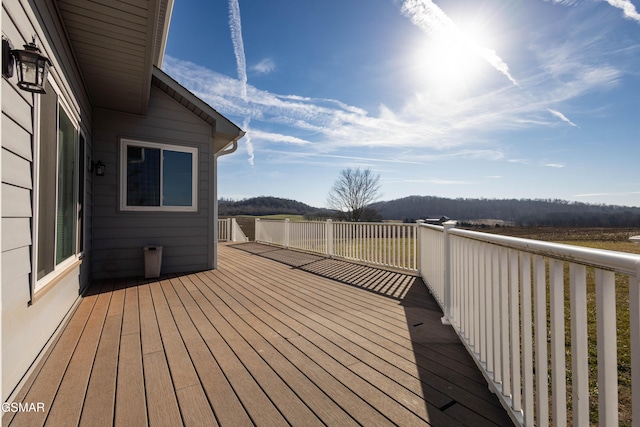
[437,221]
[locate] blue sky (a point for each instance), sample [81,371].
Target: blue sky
[452,98]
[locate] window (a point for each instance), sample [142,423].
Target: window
[157,177]
[59,194]
[66,224]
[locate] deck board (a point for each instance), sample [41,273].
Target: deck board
[286,401]
[266,343]
[162,403]
[191,395]
[357,348]
[70,396]
[229,409]
[131,403]
[52,371]
[273,337]
[254,399]
[100,398]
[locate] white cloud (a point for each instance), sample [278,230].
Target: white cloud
[247,141]
[627,7]
[422,122]
[555,165]
[289,156]
[564,2]
[438,181]
[456,154]
[265,66]
[633,202]
[561,116]
[277,137]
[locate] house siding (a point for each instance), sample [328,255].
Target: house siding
[119,236]
[26,328]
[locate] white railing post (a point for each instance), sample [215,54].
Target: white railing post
[258,231]
[607,350]
[446,319]
[286,233]
[634,327]
[232,227]
[418,249]
[329,234]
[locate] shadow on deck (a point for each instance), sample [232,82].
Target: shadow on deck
[259,342]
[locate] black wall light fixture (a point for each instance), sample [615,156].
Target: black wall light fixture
[99,167]
[29,64]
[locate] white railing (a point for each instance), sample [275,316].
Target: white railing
[540,319]
[273,232]
[230,231]
[388,245]
[505,297]
[431,261]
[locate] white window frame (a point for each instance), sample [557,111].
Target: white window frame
[124,143]
[62,267]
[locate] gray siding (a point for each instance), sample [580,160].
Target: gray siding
[119,236]
[27,328]
[86,275]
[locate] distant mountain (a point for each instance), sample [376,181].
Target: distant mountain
[526,212]
[265,205]
[517,211]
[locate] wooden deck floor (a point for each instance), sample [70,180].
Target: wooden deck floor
[260,341]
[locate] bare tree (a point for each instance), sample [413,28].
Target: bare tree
[353,191]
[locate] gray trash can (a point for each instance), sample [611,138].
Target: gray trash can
[152,261]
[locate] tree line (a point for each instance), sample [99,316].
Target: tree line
[522,212]
[354,194]
[265,205]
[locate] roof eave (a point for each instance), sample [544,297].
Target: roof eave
[224,131]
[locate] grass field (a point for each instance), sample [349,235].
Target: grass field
[607,239]
[613,239]
[284,216]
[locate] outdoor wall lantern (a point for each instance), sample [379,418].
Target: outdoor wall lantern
[30,65]
[99,167]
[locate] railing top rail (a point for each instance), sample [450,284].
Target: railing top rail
[433,227]
[408,224]
[289,220]
[620,262]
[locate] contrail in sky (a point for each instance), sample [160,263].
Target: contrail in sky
[627,7]
[427,16]
[235,25]
[562,117]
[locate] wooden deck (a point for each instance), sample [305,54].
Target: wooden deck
[260,341]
